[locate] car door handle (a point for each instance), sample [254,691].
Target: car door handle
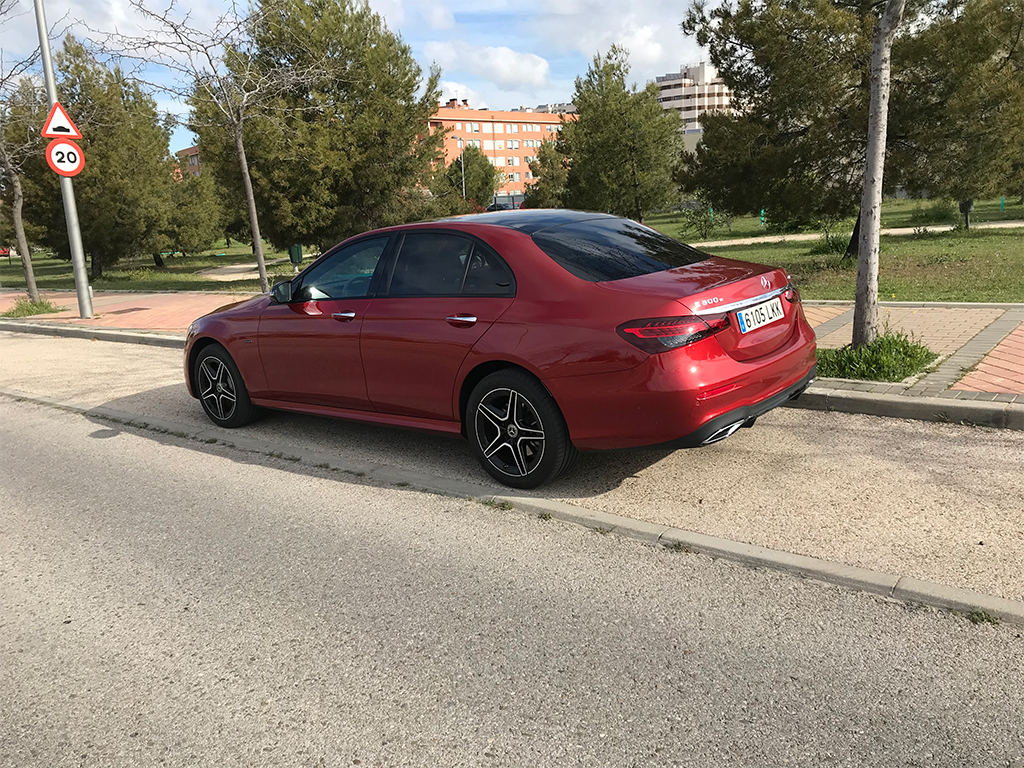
[461,321]
[344,317]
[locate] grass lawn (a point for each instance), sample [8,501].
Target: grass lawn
[895,213]
[983,265]
[140,274]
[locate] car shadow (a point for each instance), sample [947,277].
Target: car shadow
[449,457]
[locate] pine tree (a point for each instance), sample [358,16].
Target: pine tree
[622,146]
[124,189]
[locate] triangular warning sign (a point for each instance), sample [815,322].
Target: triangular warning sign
[59,125]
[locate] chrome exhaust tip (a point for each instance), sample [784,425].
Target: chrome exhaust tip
[722,433]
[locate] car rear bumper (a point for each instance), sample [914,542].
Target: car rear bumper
[684,397]
[723,426]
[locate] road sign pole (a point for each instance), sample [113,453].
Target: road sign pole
[66,189]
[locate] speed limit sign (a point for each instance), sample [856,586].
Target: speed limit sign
[65,157]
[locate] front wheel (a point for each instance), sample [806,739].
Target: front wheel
[517,431]
[221,389]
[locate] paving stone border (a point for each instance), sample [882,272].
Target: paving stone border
[937,383]
[899,587]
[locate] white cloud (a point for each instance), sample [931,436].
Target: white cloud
[453,90]
[648,29]
[439,17]
[502,66]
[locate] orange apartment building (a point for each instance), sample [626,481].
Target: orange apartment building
[510,139]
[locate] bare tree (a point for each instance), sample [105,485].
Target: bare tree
[865,313]
[217,69]
[14,151]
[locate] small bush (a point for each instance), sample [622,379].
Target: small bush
[833,241]
[936,212]
[25,308]
[892,356]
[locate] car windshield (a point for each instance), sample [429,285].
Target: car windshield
[613,249]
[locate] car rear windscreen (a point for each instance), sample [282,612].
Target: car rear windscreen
[613,249]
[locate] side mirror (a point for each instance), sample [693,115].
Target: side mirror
[281,293]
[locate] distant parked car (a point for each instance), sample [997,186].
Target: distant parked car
[534,333]
[499,207]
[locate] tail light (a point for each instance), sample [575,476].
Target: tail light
[792,294]
[660,334]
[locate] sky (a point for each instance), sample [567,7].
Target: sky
[498,54]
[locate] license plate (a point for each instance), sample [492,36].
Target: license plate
[759,315]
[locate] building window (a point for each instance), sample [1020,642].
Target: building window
[499,144]
[515,177]
[458,126]
[193,160]
[529,175]
[509,160]
[488,144]
[488,128]
[515,161]
[474,127]
[498,128]
[458,141]
[473,143]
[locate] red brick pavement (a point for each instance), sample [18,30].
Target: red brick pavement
[1001,370]
[132,311]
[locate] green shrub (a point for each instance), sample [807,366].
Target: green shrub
[936,212]
[24,308]
[892,356]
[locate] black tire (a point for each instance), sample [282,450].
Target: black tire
[221,390]
[516,430]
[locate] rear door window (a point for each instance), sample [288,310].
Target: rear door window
[446,264]
[598,250]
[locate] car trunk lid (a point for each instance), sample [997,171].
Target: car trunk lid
[761,312]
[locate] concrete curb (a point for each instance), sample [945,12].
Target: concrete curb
[97,334]
[938,409]
[905,588]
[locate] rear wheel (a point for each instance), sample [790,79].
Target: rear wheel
[516,430]
[221,389]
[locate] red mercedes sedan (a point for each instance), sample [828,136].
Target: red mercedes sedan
[534,333]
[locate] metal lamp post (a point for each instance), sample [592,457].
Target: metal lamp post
[66,189]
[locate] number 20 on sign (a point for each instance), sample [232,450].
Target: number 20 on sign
[65,157]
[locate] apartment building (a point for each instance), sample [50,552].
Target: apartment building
[188,160]
[692,91]
[510,139]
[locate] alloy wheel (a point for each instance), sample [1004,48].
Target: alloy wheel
[510,432]
[217,388]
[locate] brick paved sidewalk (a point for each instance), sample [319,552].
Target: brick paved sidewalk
[168,312]
[982,345]
[1001,370]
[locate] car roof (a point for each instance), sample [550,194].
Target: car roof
[529,220]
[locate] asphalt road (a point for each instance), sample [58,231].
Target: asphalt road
[937,501]
[169,602]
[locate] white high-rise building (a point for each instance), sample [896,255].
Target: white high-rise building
[692,91]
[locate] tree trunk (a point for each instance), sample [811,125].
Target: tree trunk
[254,224]
[19,225]
[95,268]
[865,313]
[158,260]
[853,247]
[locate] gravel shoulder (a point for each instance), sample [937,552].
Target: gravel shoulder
[939,502]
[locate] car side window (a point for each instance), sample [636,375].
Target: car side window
[487,275]
[343,275]
[430,264]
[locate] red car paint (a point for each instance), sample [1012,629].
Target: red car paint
[400,361]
